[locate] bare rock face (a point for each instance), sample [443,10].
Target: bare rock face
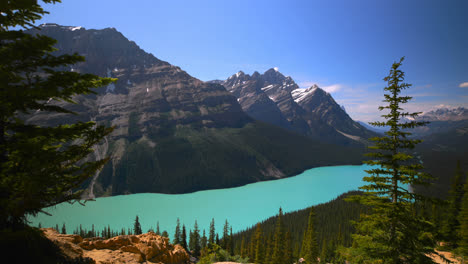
[147,247]
[274,98]
[176,134]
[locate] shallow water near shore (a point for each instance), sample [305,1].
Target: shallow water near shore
[241,206]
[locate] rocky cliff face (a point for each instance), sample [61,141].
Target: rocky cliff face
[176,134]
[276,99]
[145,248]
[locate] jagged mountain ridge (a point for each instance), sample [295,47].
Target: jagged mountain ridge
[175,133]
[276,99]
[445,114]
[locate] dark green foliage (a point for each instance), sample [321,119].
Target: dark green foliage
[196,244]
[332,221]
[463,227]
[165,234]
[183,238]
[157,229]
[137,227]
[278,242]
[392,233]
[438,153]
[451,223]
[212,234]
[64,229]
[310,247]
[288,249]
[217,254]
[177,233]
[231,243]
[257,241]
[225,240]
[204,240]
[39,166]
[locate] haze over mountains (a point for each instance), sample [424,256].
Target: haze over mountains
[176,134]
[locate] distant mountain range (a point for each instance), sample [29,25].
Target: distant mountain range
[445,114]
[176,134]
[440,120]
[274,98]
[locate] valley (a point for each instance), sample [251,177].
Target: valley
[157,132]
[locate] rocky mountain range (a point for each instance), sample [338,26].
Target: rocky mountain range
[276,99]
[445,114]
[176,134]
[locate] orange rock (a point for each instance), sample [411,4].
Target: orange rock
[121,249]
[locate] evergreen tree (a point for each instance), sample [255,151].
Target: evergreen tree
[136,227]
[243,251]
[211,237]
[257,241]
[165,234]
[463,228]
[225,236]
[183,238]
[64,229]
[436,219]
[231,243]
[191,242]
[269,249]
[449,229]
[278,246]
[204,240]
[288,248]
[196,240]
[157,229]
[391,234]
[177,233]
[324,252]
[217,239]
[40,166]
[309,250]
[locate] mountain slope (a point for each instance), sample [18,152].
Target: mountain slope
[174,133]
[276,99]
[440,151]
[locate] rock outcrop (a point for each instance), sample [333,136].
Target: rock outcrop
[144,248]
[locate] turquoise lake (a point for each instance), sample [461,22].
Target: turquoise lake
[241,206]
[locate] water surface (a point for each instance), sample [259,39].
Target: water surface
[241,206]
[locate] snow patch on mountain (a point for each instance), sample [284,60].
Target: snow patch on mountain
[300,94]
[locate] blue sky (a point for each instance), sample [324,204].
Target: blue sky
[346,47]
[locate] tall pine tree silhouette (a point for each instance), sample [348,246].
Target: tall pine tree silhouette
[136,227]
[392,233]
